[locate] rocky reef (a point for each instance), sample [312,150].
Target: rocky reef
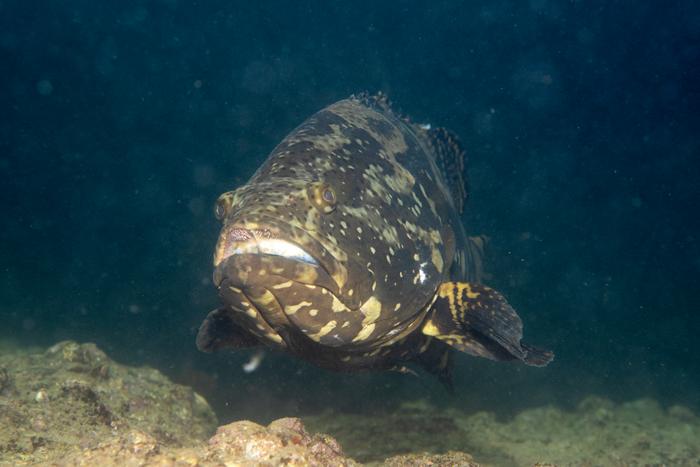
[73,396]
[283,442]
[72,406]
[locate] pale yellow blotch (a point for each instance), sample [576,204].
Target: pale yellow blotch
[435,236]
[429,329]
[313,312]
[265,300]
[364,333]
[291,309]
[312,220]
[235,289]
[274,337]
[330,142]
[337,306]
[328,327]
[446,291]
[437,259]
[359,116]
[283,285]
[397,306]
[340,276]
[470,293]
[308,275]
[371,309]
[390,235]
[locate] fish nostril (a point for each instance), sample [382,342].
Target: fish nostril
[240,235]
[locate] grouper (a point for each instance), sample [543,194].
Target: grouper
[346,248]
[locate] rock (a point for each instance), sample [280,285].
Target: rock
[449,459]
[243,444]
[682,413]
[75,395]
[73,406]
[283,442]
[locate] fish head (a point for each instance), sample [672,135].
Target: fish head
[280,264]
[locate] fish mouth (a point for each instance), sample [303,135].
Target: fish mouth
[276,247]
[238,240]
[251,250]
[240,244]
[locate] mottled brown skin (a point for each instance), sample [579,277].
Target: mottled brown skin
[360,191]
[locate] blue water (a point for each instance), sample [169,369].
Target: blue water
[122,122]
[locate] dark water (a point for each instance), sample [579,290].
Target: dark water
[123,121]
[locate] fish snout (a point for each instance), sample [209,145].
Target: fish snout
[232,238]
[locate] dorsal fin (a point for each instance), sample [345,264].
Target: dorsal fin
[448,151]
[450,159]
[379,102]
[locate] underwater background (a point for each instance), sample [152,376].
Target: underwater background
[122,122]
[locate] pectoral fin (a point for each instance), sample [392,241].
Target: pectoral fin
[478,320]
[219,331]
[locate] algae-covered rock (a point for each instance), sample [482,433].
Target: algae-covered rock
[242,444]
[73,395]
[448,459]
[597,432]
[73,406]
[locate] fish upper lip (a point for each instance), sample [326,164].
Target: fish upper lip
[247,242]
[273,228]
[275,247]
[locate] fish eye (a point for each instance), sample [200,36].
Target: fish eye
[328,195]
[323,197]
[222,206]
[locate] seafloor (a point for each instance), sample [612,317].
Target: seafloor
[72,405]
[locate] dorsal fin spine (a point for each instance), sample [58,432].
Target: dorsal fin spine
[450,159]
